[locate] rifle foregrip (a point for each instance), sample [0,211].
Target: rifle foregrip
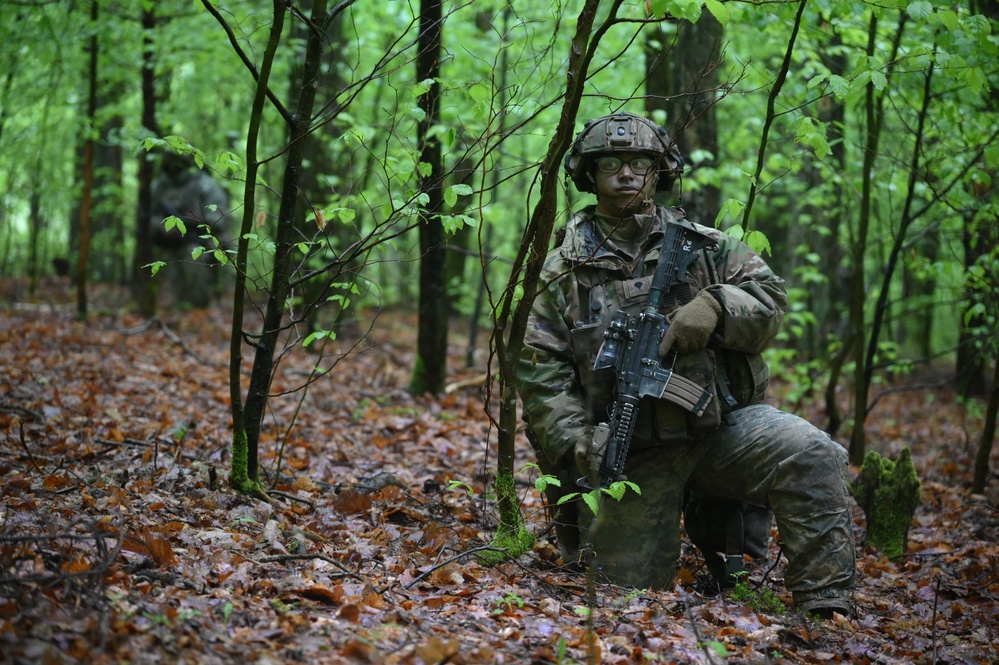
[624,427]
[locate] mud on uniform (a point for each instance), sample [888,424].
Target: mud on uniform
[756,453]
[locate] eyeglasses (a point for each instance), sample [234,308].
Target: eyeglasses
[638,165]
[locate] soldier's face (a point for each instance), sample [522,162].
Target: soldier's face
[624,183]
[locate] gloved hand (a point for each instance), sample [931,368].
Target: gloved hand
[589,450]
[692,325]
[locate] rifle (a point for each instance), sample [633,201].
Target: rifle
[631,348]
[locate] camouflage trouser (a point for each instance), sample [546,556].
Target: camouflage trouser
[766,457]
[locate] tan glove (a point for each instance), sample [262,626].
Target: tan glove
[590,449]
[692,325]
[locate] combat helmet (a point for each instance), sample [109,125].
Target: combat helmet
[623,132]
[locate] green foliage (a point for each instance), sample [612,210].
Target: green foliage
[717,647]
[544,479]
[507,603]
[615,490]
[461,485]
[762,600]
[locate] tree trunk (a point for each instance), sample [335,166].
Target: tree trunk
[485,242]
[107,220]
[979,240]
[889,494]
[430,367]
[145,287]
[988,437]
[682,81]
[88,172]
[512,314]
[285,239]
[771,115]
[858,244]
[326,163]
[242,476]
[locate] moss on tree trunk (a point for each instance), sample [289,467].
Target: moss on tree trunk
[889,494]
[241,477]
[512,535]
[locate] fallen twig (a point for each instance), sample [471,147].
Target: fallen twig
[13,408]
[933,633]
[483,548]
[291,497]
[314,556]
[24,443]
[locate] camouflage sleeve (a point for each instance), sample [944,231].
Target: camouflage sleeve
[752,296]
[553,403]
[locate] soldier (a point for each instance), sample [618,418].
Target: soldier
[182,190]
[722,316]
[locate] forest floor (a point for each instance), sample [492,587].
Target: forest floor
[121,543]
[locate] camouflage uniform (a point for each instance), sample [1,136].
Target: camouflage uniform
[755,453]
[198,200]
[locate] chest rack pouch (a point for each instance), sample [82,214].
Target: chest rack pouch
[653,380]
[631,349]
[631,343]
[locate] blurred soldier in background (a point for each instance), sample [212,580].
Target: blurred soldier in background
[186,192]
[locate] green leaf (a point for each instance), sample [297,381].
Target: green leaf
[592,501]
[544,480]
[839,86]
[975,79]
[978,309]
[480,92]
[919,9]
[228,163]
[758,242]
[718,647]
[155,266]
[731,208]
[197,252]
[950,20]
[812,134]
[319,334]
[566,498]
[717,9]
[452,193]
[615,491]
[170,223]
[736,232]
[454,223]
[423,87]
[658,7]
[688,9]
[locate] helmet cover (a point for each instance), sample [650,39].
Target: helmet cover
[623,132]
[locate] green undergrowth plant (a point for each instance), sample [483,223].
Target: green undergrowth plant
[761,599]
